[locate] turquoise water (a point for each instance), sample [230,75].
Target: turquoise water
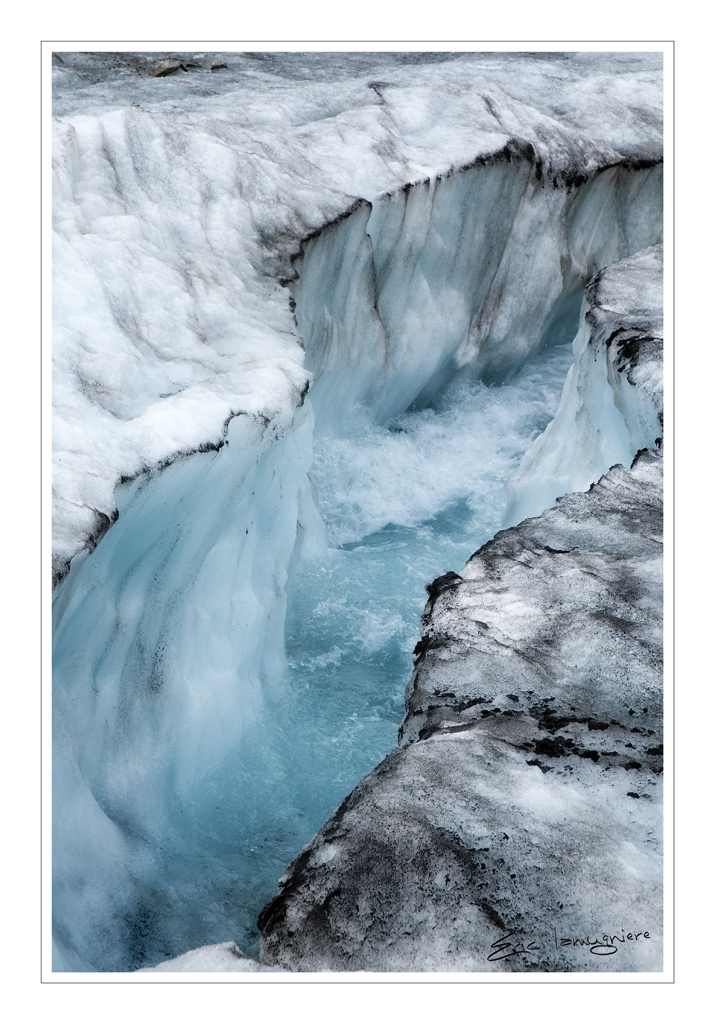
[402,503]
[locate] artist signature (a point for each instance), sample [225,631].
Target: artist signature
[603,945]
[504,948]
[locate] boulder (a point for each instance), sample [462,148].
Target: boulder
[162,68]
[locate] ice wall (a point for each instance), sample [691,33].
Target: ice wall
[165,640]
[180,370]
[464,274]
[612,403]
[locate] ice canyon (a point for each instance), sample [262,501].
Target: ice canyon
[329,329]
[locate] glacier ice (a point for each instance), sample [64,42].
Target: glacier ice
[436,221]
[612,403]
[221,958]
[463,274]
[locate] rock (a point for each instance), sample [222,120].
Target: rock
[163,68]
[503,834]
[217,64]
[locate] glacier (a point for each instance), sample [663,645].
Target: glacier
[284,294]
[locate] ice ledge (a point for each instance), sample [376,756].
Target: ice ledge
[612,403]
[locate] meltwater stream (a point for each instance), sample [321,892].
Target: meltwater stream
[401,504]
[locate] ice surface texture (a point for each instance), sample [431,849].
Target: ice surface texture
[434,222]
[223,958]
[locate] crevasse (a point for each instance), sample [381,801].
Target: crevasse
[458,276]
[169,638]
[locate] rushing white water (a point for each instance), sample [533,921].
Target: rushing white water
[402,503]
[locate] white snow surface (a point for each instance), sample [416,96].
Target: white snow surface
[179,202]
[225,957]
